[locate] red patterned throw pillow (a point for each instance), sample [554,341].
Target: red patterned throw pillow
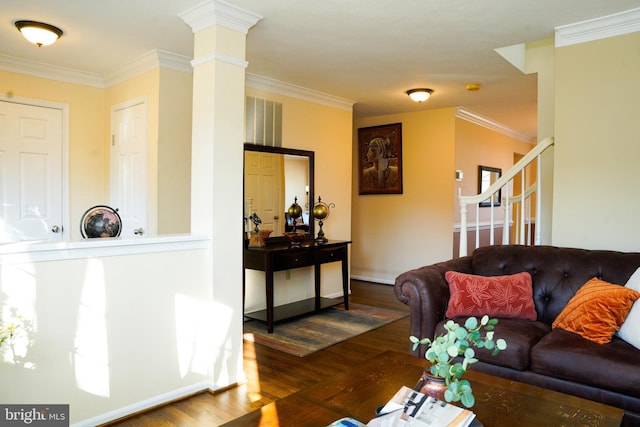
[496,296]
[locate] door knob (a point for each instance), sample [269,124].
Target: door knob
[56,229]
[138,231]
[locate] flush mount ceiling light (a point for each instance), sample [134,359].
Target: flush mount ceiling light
[39,33]
[419,95]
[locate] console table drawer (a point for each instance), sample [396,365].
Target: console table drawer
[330,255]
[285,261]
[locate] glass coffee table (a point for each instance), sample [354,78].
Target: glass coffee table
[359,392]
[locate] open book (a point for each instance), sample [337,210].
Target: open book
[409,408]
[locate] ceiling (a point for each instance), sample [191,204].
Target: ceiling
[367,51]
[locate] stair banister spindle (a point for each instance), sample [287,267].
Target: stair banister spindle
[491,242]
[462,250]
[538,200]
[507,212]
[529,221]
[477,225]
[522,201]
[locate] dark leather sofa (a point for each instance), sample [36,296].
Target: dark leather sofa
[537,354]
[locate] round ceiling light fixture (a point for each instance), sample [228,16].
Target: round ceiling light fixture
[472,86]
[419,95]
[39,33]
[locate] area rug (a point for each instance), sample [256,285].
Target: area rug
[305,335]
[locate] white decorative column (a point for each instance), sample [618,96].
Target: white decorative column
[219,65]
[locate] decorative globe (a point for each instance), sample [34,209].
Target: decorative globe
[320,211]
[100,221]
[295,211]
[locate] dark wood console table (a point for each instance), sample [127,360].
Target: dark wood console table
[280,256]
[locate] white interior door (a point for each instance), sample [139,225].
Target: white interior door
[129,166]
[264,174]
[31,177]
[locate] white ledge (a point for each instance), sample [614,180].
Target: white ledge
[39,251]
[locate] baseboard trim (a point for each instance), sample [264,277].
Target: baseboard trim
[147,404]
[374,280]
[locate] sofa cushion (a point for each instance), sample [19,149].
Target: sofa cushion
[630,329]
[496,296]
[597,310]
[520,334]
[568,356]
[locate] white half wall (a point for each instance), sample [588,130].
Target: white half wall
[112,326]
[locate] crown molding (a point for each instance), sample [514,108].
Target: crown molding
[217,12]
[287,89]
[468,115]
[599,28]
[144,63]
[49,71]
[149,61]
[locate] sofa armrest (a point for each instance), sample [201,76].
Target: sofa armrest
[426,292]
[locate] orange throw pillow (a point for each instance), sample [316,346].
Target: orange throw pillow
[597,310]
[495,296]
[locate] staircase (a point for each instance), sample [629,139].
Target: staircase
[522,206]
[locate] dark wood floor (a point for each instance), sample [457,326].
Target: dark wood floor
[273,375]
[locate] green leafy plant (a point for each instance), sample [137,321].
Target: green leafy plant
[457,341]
[8,330]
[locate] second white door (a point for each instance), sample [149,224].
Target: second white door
[129,166]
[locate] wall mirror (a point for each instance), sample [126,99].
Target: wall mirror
[487,176]
[273,178]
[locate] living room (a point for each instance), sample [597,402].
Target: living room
[593,84]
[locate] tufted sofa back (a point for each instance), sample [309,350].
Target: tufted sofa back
[557,273]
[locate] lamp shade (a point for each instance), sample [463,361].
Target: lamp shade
[419,95]
[39,33]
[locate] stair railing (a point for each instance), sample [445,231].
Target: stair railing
[522,202]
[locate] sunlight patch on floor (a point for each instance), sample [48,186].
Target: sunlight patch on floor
[269,416]
[251,369]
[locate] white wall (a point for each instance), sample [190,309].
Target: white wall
[111,334]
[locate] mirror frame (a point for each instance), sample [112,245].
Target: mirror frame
[292,152]
[487,203]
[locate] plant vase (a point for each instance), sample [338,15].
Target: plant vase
[433,386]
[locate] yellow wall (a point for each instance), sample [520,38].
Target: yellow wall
[327,132]
[597,147]
[88,172]
[396,232]
[174,152]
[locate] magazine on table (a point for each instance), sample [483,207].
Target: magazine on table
[409,408]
